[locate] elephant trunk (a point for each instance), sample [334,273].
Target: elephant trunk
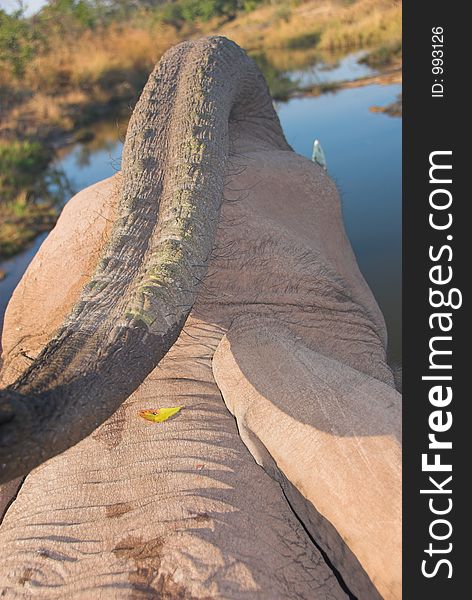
[135,305]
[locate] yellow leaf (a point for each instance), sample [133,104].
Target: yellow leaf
[157,415]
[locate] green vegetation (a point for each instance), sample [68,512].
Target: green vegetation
[17,42]
[280,84]
[384,56]
[21,224]
[303,41]
[190,11]
[329,87]
[64,67]
[78,60]
[21,163]
[31,193]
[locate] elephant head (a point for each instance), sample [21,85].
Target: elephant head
[131,311]
[284,331]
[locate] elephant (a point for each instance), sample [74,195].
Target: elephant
[212,272]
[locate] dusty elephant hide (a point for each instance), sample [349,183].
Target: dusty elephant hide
[182,509]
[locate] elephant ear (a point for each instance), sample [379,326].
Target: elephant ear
[51,285]
[56,276]
[132,309]
[330,435]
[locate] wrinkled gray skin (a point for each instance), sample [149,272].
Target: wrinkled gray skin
[132,510]
[138,299]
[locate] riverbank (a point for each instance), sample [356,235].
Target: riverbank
[363,153]
[387,77]
[85,74]
[41,189]
[31,190]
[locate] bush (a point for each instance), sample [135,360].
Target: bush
[21,163]
[280,84]
[78,14]
[17,42]
[171,14]
[303,41]
[383,56]
[189,11]
[31,193]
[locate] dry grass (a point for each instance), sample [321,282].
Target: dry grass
[75,82]
[328,24]
[374,27]
[21,223]
[91,62]
[96,55]
[86,77]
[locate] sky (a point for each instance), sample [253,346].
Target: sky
[31,6]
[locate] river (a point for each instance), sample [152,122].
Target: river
[363,152]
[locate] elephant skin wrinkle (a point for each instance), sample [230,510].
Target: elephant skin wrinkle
[181,509]
[145,282]
[140,509]
[144,517]
[332,435]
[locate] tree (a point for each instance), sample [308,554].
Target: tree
[17,41]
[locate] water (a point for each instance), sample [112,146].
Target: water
[346,68]
[363,152]
[14,268]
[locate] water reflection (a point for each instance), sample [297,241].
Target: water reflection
[86,163]
[281,84]
[14,269]
[363,151]
[330,70]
